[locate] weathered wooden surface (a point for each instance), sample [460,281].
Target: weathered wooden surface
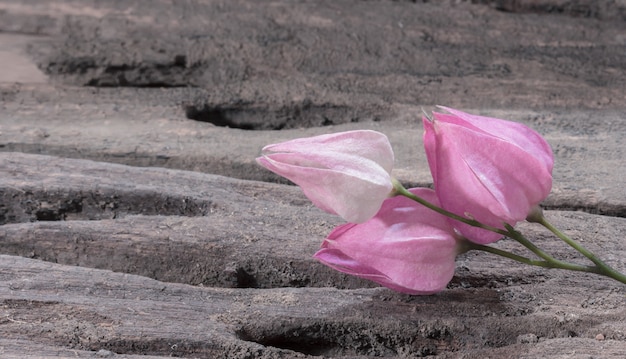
[233,236]
[587,144]
[135,223]
[88,309]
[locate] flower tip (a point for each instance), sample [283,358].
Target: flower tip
[425,116]
[261,160]
[267,148]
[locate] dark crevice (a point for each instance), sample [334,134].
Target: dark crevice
[267,117]
[145,75]
[341,339]
[603,210]
[306,345]
[58,212]
[122,83]
[218,116]
[569,8]
[306,339]
[64,206]
[245,279]
[572,8]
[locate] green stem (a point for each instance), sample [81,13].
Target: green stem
[603,268]
[547,260]
[554,263]
[400,190]
[541,263]
[519,237]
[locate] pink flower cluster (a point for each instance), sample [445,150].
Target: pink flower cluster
[485,169]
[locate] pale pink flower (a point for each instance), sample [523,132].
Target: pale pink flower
[346,173]
[406,246]
[491,170]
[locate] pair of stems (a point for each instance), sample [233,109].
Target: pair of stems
[546,261]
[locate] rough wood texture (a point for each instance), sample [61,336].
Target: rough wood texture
[134,222]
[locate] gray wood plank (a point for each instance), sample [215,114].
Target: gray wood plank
[135,222]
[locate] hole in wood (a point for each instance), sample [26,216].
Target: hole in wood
[262,117]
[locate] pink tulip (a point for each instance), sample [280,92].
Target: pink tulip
[346,173]
[406,247]
[487,169]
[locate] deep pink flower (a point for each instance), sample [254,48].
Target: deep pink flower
[406,246]
[491,170]
[346,173]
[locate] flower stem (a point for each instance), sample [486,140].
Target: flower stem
[553,262]
[539,263]
[519,237]
[547,261]
[400,190]
[603,268]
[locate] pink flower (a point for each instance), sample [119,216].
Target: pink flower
[491,170]
[346,173]
[406,247]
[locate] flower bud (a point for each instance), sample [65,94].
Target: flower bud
[406,246]
[345,173]
[487,169]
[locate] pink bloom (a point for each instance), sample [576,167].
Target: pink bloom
[406,247]
[346,173]
[491,170]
